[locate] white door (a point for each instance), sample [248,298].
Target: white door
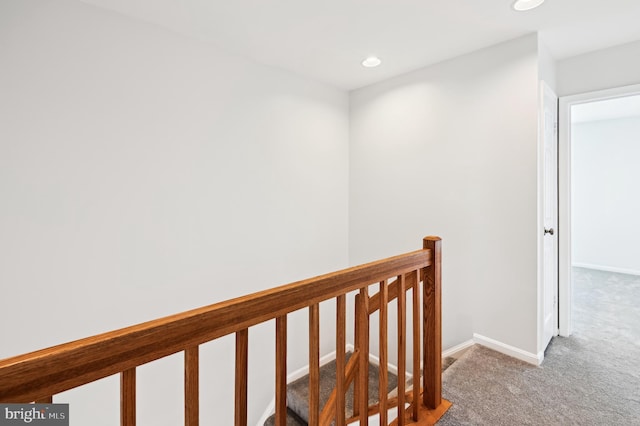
[550,215]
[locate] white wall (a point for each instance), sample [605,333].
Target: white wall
[603,69]
[451,150]
[606,206]
[547,64]
[143,174]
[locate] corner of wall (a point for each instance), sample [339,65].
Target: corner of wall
[547,64]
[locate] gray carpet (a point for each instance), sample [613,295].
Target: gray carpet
[292,419]
[590,378]
[298,393]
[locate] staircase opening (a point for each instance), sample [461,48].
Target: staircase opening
[347,390]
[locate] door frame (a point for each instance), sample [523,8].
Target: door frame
[564,193]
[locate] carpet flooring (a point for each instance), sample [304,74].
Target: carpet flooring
[298,393]
[590,378]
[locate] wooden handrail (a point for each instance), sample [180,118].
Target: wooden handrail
[37,376]
[50,371]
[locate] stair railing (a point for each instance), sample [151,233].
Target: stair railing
[38,376]
[425,401]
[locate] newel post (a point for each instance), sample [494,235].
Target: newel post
[432,312]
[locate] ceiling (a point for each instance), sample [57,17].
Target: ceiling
[327,39]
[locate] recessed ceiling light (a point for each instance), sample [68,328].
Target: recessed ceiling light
[522,5]
[371,62]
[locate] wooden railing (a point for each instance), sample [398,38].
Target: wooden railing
[38,376]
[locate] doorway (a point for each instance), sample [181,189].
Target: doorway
[594,225]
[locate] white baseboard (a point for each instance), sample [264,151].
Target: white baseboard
[606,268]
[477,339]
[390,367]
[512,351]
[271,408]
[454,351]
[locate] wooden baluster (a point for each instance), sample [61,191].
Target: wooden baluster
[340,358]
[416,345]
[402,348]
[328,413]
[432,312]
[281,371]
[358,343]
[384,363]
[242,357]
[128,397]
[314,365]
[363,377]
[191,387]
